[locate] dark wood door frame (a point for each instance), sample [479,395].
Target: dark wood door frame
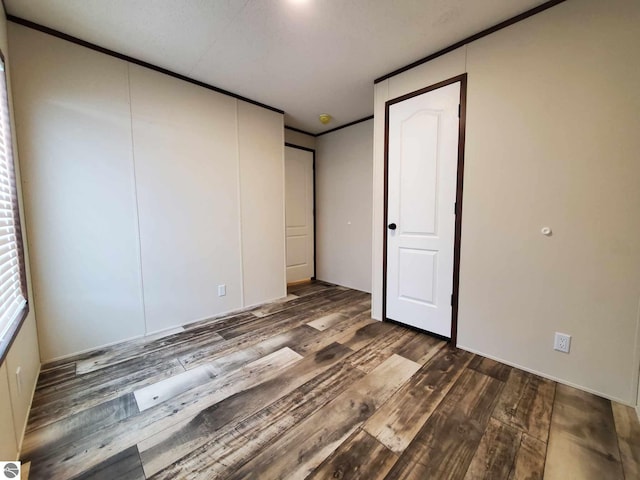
[458,209]
[306,149]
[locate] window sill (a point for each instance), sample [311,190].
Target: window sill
[7,340]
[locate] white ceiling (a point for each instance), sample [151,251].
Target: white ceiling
[305,57]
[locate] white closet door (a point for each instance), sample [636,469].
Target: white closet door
[299,214]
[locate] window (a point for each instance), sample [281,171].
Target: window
[13,292]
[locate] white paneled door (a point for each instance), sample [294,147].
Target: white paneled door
[299,214]
[422,171]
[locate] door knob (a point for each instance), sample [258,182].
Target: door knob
[392,226]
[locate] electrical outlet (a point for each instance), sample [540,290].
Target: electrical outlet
[19,380]
[562,342]
[222,290]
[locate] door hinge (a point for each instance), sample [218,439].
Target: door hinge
[459,109]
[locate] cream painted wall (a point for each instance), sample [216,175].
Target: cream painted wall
[16,391]
[552,140]
[187,188]
[23,355]
[133,188]
[8,444]
[74,134]
[299,139]
[344,173]
[261,170]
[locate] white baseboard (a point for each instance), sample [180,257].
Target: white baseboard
[70,356]
[162,332]
[550,377]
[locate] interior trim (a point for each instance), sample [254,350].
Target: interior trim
[472,38]
[12,333]
[126,58]
[355,122]
[300,131]
[307,149]
[299,147]
[350,124]
[459,184]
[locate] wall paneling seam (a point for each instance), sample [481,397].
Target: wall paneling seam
[635,380]
[240,237]
[135,194]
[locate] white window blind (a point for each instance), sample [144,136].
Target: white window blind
[12,294]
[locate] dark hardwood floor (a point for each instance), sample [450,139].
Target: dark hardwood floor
[312,387]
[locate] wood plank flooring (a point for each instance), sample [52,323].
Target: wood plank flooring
[311,387]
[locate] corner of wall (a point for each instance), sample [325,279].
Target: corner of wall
[298,138]
[343,189]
